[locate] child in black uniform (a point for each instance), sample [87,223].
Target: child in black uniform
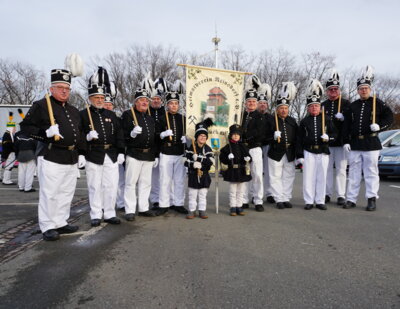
[199,158]
[237,157]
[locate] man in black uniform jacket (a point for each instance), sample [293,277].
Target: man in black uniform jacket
[57,160]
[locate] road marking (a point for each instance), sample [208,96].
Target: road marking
[91,232]
[13,204]
[393,186]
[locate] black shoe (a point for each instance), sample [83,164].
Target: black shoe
[371,204]
[148,213]
[161,211]
[68,229]
[349,205]
[180,209]
[308,206]
[31,190]
[113,220]
[280,205]
[21,190]
[321,206]
[327,199]
[156,205]
[130,217]
[340,201]
[121,209]
[288,205]
[240,211]
[245,206]
[270,199]
[259,208]
[95,222]
[51,235]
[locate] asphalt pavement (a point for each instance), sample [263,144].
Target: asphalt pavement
[289,258]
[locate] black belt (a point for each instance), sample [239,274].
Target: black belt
[315,147]
[170,144]
[145,150]
[51,145]
[105,146]
[367,135]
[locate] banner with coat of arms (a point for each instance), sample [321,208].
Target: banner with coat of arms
[213,93]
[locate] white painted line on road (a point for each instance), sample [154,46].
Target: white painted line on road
[91,232]
[393,186]
[304,243]
[13,204]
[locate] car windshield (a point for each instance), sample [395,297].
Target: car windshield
[395,141]
[384,135]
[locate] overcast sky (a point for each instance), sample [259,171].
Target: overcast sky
[359,32]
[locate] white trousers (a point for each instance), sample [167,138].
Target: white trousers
[337,158]
[8,165]
[137,175]
[282,174]
[102,182]
[172,174]
[314,177]
[201,195]
[155,185]
[363,162]
[236,193]
[26,171]
[256,184]
[57,188]
[121,186]
[267,180]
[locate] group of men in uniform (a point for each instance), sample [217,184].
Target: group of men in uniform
[145,148]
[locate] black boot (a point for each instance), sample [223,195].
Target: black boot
[371,204]
[349,205]
[308,206]
[280,205]
[327,199]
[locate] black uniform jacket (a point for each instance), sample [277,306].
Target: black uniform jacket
[268,130]
[236,171]
[37,121]
[289,130]
[25,147]
[206,157]
[357,121]
[111,136]
[7,145]
[177,125]
[309,137]
[143,146]
[253,129]
[331,109]
[157,114]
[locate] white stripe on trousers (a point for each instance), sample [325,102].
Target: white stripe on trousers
[256,184]
[201,194]
[26,172]
[267,181]
[337,157]
[57,188]
[282,174]
[155,185]
[102,182]
[137,174]
[172,175]
[315,168]
[367,163]
[236,193]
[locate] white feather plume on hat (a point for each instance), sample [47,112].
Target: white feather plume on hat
[253,82]
[147,83]
[179,86]
[160,86]
[288,91]
[265,89]
[368,73]
[74,63]
[314,88]
[113,90]
[333,74]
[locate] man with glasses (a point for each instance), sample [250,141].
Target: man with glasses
[58,155]
[337,156]
[364,119]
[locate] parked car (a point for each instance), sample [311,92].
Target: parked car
[389,158]
[387,136]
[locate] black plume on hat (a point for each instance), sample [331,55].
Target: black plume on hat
[202,127]
[100,77]
[111,93]
[160,88]
[333,80]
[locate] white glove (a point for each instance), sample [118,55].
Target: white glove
[230,156]
[183,139]
[375,127]
[325,137]
[277,134]
[121,158]
[52,131]
[299,161]
[196,165]
[81,161]
[136,130]
[346,147]
[247,159]
[166,133]
[339,116]
[195,157]
[92,135]
[155,164]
